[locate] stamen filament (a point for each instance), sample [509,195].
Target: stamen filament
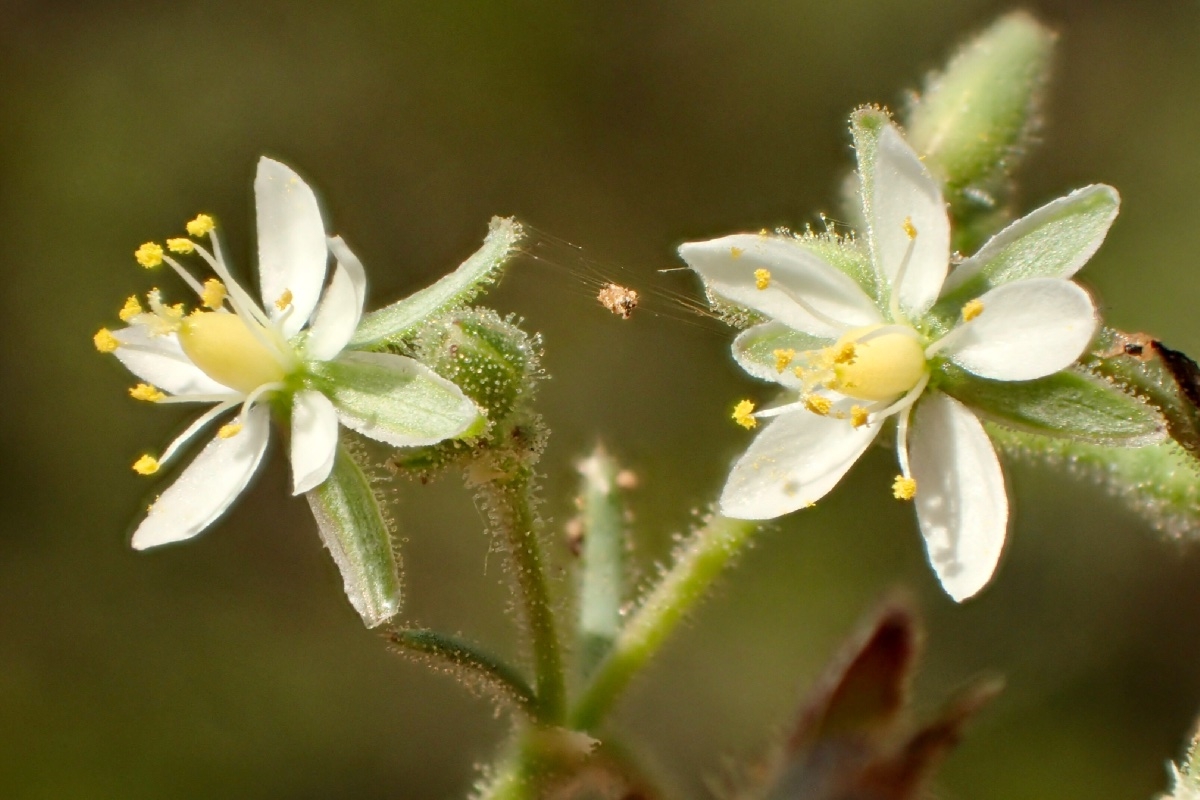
[894,309]
[183,273]
[201,422]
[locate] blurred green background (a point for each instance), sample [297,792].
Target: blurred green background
[232,666]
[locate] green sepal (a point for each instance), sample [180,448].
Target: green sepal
[602,581]
[754,350]
[1053,241]
[402,319]
[1063,405]
[974,121]
[1160,482]
[866,126]
[395,399]
[847,254]
[354,530]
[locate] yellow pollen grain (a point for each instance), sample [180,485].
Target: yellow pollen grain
[904,488]
[762,278]
[284,300]
[181,245]
[818,404]
[146,392]
[105,342]
[783,358]
[743,414]
[214,294]
[844,354]
[201,225]
[909,230]
[146,465]
[149,255]
[230,430]
[131,309]
[972,309]
[735,252]
[858,416]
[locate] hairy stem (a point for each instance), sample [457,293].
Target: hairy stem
[476,666]
[701,561]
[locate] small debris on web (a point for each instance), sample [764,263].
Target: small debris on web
[620,300]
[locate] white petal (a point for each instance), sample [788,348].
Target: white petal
[341,307]
[905,191]
[728,264]
[314,439]
[208,486]
[292,254]
[159,360]
[961,504]
[1028,329]
[796,459]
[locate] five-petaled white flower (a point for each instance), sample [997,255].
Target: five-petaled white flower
[874,345]
[289,354]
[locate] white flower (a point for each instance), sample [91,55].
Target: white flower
[288,354]
[1183,787]
[860,348]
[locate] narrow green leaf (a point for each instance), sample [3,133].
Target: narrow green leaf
[602,560]
[1052,242]
[1160,482]
[402,319]
[1066,404]
[395,399]
[754,349]
[357,536]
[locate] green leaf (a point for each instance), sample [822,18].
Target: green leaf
[1052,242]
[1065,404]
[402,319]
[1160,482]
[395,399]
[754,350]
[353,528]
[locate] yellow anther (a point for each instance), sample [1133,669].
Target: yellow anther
[201,225]
[909,230]
[284,300]
[131,309]
[104,340]
[735,252]
[972,309]
[818,404]
[146,465]
[762,278]
[743,414]
[214,294]
[144,391]
[149,255]
[230,430]
[859,416]
[843,354]
[180,245]
[783,358]
[904,488]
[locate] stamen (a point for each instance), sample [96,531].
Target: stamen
[859,416]
[909,229]
[843,355]
[200,423]
[131,309]
[904,488]
[214,294]
[230,430]
[181,245]
[146,392]
[894,302]
[238,298]
[146,465]
[818,404]
[284,300]
[149,255]
[783,358]
[743,414]
[972,309]
[105,342]
[762,278]
[201,225]
[192,283]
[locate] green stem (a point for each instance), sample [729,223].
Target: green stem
[705,556]
[509,506]
[475,665]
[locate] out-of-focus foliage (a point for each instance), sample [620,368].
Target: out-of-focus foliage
[234,666]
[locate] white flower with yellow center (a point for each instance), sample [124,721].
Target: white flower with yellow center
[864,336]
[289,354]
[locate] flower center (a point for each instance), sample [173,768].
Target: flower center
[876,363]
[229,352]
